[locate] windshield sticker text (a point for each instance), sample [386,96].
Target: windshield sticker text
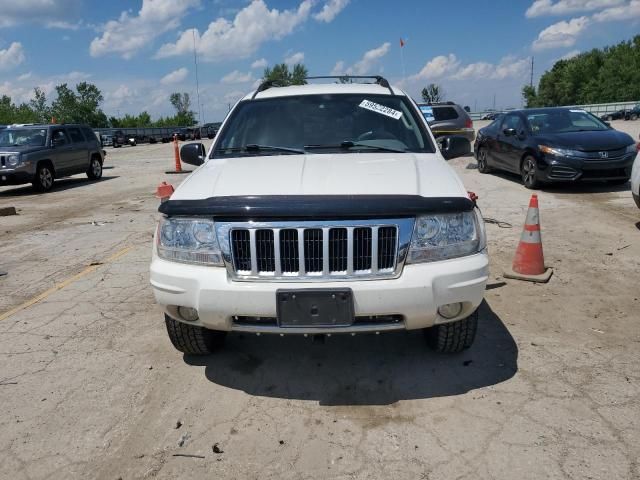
[376,107]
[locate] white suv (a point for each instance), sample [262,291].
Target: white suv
[321,209]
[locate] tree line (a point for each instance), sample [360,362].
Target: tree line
[610,74]
[82,105]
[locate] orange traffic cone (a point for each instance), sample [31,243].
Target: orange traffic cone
[176,154]
[164,191]
[528,263]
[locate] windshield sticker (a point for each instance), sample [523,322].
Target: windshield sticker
[376,107]
[577,111]
[427,113]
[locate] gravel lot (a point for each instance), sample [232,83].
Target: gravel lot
[90,386]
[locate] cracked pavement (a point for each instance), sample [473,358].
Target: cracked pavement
[91,387]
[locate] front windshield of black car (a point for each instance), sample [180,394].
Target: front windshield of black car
[32,137]
[319,124]
[564,121]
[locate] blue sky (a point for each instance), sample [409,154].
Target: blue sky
[139,51]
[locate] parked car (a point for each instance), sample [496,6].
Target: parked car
[448,118]
[321,209]
[181,133]
[617,115]
[38,154]
[489,116]
[633,114]
[635,177]
[555,145]
[121,138]
[107,140]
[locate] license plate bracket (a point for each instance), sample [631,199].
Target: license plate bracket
[317,307]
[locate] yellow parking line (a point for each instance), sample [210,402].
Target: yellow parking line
[64,283]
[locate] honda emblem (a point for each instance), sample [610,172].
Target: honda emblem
[604,154]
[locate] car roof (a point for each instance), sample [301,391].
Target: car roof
[324,88]
[45,125]
[543,110]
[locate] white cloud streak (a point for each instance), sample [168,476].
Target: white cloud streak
[292,59]
[177,76]
[12,56]
[541,8]
[330,10]
[237,77]
[261,63]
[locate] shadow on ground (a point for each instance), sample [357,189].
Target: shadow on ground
[59,185]
[362,370]
[595,186]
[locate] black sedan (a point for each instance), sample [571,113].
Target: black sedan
[555,145]
[617,115]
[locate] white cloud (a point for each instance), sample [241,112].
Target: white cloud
[561,34]
[174,77]
[50,13]
[237,77]
[12,56]
[297,57]
[118,97]
[628,11]
[261,63]
[129,34]
[365,65]
[330,10]
[25,76]
[240,38]
[569,55]
[563,7]
[438,67]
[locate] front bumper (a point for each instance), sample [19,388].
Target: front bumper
[413,298]
[468,133]
[568,169]
[14,177]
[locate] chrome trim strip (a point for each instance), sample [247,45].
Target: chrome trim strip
[361,328]
[374,249]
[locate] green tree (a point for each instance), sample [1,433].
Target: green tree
[182,103]
[282,76]
[529,96]
[39,106]
[81,106]
[433,93]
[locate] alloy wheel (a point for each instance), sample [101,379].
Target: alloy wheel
[46,178]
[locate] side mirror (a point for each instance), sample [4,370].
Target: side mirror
[454,146]
[508,132]
[193,153]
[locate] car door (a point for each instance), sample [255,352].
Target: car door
[61,152]
[80,153]
[510,143]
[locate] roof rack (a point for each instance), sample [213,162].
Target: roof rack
[379,80]
[438,103]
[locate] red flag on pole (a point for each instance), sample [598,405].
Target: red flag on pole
[401,43]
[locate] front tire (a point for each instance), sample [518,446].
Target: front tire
[529,172]
[95,169]
[482,161]
[192,339]
[453,337]
[43,181]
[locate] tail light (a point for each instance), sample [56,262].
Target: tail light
[468,123]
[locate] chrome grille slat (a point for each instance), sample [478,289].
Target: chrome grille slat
[311,251]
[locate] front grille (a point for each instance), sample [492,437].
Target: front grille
[2,160]
[562,172]
[604,173]
[315,252]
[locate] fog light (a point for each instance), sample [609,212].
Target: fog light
[187,313]
[450,310]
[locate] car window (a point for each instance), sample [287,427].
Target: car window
[444,113]
[563,121]
[317,121]
[75,134]
[88,133]
[513,121]
[24,137]
[59,137]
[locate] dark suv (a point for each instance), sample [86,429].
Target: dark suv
[38,154]
[448,118]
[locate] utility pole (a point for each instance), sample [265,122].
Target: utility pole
[195,60]
[531,82]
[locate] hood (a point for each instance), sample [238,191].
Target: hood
[20,149]
[586,141]
[427,175]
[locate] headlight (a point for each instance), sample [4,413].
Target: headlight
[439,237]
[560,152]
[188,240]
[633,148]
[13,160]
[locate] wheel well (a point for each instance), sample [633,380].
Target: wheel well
[94,155]
[525,155]
[49,163]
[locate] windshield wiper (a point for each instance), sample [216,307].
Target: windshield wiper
[252,147]
[350,144]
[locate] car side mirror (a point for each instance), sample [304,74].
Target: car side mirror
[509,132]
[454,146]
[193,153]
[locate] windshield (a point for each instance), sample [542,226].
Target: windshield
[17,138]
[564,121]
[336,123]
